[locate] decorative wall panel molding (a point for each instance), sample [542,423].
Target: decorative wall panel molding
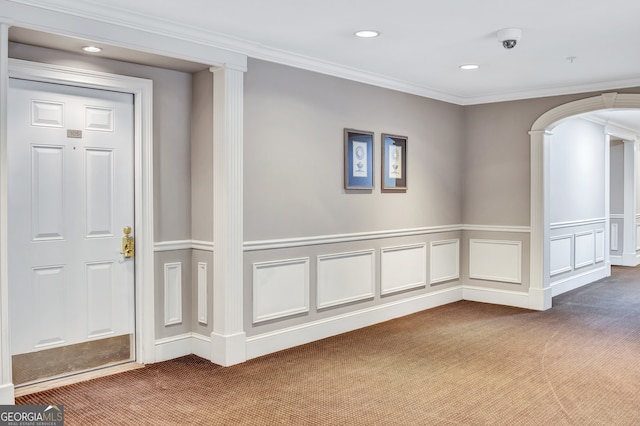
[495,260]
[345,277]
[202,293]
[600,245]
[403,268]
[172,293]
[444,261]
[584,252]
[561,254]
[280,288]
[613,244]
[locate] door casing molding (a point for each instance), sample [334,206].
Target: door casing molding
[142,91]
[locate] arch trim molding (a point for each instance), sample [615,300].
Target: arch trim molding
[540,294]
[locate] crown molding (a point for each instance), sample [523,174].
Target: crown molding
[554,91]
[103,12]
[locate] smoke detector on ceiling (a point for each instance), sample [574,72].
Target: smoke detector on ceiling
[509,37]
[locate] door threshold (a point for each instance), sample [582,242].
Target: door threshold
[56,382]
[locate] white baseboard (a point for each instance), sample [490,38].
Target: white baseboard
[540,299]
[7,394]
[181,345]
[267,343]
[518,299]
[629,259]
[616,260]
[228,350]
[577,281]
[201,345]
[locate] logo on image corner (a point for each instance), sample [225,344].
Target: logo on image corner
[32,415]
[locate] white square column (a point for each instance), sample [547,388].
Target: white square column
[228,339]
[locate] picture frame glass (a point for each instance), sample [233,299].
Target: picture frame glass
[394,162]
[358,159]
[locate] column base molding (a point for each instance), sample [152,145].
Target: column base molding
[228,350]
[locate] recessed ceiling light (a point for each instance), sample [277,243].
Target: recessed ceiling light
[367,33]
[469,67]
[92,49]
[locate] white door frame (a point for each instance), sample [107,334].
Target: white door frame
[540,293]
[142,91]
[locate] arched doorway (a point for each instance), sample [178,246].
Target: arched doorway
[540,293]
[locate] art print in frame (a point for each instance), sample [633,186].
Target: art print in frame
[394,163]
[358,159]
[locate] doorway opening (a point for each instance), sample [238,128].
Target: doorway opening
[541,133]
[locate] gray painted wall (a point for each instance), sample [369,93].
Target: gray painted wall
[293,174]
[616,167]
[293,156]
[616,196]
[497,157]
[202,157]
[465,165]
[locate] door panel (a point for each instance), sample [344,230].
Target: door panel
[71,186]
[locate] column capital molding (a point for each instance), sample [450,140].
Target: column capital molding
[234,67]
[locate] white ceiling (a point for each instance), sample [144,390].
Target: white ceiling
[422,42]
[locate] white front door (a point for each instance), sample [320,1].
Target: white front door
[70,177]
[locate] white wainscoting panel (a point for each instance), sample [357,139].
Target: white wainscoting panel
[584,249]
[560,254]
[444,261]
[345,277]
[403,268]
[280,288]
[202,293]
[613,244]
[495,260]
[172,293]
[637,236]
[599,245]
